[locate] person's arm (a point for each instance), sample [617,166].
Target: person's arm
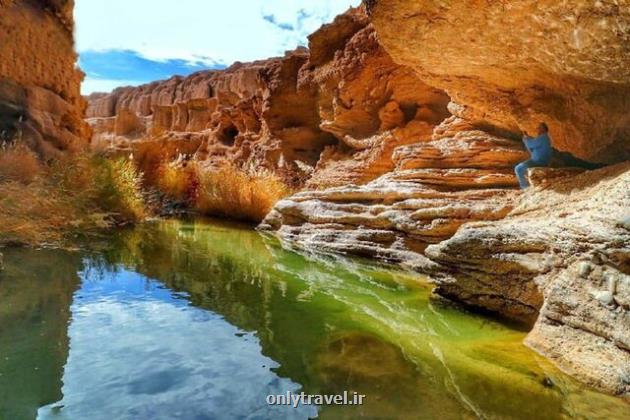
[527,140]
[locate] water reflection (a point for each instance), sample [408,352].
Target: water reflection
[139,351]
[198,320]
[35,293]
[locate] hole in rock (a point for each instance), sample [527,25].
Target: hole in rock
[228,135]
[9,120]
[409,110]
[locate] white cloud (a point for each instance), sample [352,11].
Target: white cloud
[226,31]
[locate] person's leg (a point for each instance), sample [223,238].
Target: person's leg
[521,173]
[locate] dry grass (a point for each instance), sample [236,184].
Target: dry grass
[179,182]
[235,193]
[227,191]
[33,215]
[44,205]
[19,164]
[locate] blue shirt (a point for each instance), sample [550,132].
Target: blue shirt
[539,148]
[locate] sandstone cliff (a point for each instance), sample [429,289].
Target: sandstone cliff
[514,64]
[40,103]
[336,110]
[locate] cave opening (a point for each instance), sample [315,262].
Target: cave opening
[409,111]
[10,118]
[228,135]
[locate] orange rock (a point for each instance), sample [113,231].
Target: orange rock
[344,96]
[40,101]
[515,65]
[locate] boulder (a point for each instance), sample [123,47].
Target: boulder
[561,261]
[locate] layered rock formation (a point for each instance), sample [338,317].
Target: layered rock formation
[40,103]
[563,252]
[341,107]
[514,64]
[456,175]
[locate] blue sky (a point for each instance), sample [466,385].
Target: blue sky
[123,42]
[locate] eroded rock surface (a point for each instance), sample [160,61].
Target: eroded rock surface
[332,113]
[458,174]
[40,103]
[561,258]
[514,64]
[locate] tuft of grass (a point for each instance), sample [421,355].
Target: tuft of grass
[19,164]
[241,194]
[180,182]
[75,195]
[119,188]
[96,183]
[225,191]
[33,215]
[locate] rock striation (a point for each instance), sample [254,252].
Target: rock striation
[561,259]
[458,174]
[514,64]
[40,102]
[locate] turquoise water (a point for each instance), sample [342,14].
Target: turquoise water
[203,320]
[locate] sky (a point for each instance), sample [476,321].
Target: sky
[123,42]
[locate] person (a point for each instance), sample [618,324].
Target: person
[539,149]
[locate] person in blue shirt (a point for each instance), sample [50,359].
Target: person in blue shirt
[539,148]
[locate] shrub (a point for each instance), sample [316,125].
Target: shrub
[35,214]
[71,195]
[240,194]
[178,181]
[102,184]
[226,191]
[18,163]
[119,188]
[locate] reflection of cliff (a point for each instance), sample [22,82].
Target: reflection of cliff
[36,291]
[338,324]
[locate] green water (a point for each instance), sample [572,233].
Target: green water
[202,320]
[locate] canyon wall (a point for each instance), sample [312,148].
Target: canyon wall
[40,102]
[331,114]
[514,64]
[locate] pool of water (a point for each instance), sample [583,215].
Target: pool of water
[202,320]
